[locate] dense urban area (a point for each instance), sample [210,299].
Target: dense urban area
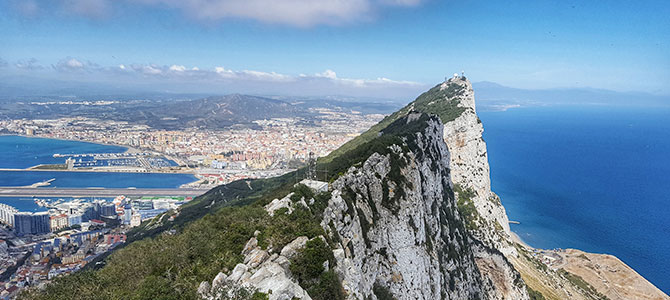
[276,146]
[35,247]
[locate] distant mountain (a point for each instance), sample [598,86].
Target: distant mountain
[220,111]
[491,95]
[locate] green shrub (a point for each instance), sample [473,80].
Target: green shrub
[307,267]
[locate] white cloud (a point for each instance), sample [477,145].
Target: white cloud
[70,64]
[291,12]
[251,75]
[147,70]
[300,13]
[327,74]
[176,68]
[3,63]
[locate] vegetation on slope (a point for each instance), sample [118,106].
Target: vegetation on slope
[466,207]
[436,101]
[171,266]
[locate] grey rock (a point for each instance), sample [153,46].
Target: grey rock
[291,249]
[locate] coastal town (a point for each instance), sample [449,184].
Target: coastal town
[67,233]
[214,156]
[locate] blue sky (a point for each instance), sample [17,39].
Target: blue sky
[355,47]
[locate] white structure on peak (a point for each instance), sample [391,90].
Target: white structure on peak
[317,186]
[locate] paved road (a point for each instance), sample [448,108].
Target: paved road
[96,192]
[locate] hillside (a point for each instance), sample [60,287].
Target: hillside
[216,112]
[221,111]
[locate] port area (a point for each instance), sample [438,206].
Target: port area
[128,162]
[97,192]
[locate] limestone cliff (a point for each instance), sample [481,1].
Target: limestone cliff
[470,170]
[399,229]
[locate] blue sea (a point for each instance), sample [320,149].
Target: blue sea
[23,152]
[591,178]
[18,152]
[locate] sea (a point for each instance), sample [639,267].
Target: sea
[18,152]
[594,178]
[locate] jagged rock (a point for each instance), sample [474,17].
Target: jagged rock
[279,203]
[396,221]
[237,273]
[260,272]
[282,261]
[291,249]
[497,269]
[203,289]
[219,279]
[256,257]
[250,245]
[273,277]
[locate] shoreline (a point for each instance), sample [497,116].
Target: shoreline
[607,273]
[128,149]
[517,239]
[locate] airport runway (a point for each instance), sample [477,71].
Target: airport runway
[95,192]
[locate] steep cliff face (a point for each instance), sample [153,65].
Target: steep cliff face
[399,231]
[470,170]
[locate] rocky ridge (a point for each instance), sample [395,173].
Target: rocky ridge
[415,218]
[399,229]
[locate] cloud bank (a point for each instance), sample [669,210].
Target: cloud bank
[298,13]
[220,73]
[180,78]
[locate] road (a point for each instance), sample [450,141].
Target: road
[95,192]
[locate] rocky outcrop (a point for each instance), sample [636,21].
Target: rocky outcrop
[470,170]
[399,231]
[261,271]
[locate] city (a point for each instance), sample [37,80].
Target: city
[35,247]
[215,157]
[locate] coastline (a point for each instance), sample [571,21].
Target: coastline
[608,274]
[517,239]
[30,169]
[128,149]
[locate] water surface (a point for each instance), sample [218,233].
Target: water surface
[592,178]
